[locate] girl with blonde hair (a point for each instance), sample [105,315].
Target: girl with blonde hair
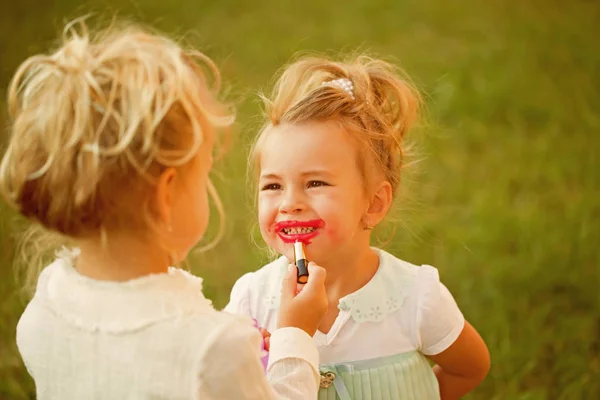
[110,147]
[328,163]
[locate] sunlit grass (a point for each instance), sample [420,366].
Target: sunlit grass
[505,201]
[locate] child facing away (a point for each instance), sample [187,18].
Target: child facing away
[328,164]
[111,147]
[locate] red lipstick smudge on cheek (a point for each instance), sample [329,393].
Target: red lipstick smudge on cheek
[334,235]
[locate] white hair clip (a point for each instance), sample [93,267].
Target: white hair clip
[93,148]
[343,83]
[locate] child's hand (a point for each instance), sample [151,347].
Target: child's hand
[303,308]
[266,338]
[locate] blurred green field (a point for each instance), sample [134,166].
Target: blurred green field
[505,200]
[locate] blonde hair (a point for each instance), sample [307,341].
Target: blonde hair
[378,108]
[102,115]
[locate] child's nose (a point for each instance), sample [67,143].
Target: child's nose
[292,203]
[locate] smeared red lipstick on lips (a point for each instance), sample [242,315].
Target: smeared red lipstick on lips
[298,231]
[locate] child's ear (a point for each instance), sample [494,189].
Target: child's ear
[381,201]
[164,196]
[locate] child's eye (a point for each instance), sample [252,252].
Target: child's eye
[271,186]
[313,184]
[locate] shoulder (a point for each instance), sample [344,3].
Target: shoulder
[398,275]
[221,323]
[428,310]
[47,283]
[392,288]
[395,267]
[420,284]
[397,284]
[402,275]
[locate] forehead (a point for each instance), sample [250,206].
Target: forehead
[307,146]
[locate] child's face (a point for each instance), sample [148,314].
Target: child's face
[190,209]
[311,189]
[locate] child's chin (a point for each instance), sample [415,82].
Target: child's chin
[288,253]
[178,258]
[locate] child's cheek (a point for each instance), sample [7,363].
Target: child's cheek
[268,234]
[334,233]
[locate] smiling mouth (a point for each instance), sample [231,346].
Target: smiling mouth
[298,230]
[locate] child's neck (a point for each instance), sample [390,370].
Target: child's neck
[123,257]
[348,273]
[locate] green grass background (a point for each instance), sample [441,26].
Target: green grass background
[505,200]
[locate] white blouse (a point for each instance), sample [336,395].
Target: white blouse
[402,308]
[155,337]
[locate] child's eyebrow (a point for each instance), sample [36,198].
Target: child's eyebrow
[304,174]
[317,172]
[269,176]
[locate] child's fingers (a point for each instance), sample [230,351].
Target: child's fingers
[316,275]
[266,338]
[265,333]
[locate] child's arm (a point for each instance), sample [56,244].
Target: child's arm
[463,365]
[231,368]
[445,337]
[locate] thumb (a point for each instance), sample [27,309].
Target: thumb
[288,285]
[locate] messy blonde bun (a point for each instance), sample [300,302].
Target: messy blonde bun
[379,110]
[92,118]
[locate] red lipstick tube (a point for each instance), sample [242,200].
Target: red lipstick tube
[301,262]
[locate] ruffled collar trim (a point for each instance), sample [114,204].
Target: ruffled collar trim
[382,295]
[118,307]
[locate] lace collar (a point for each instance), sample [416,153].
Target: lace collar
[118,307]
[381,296]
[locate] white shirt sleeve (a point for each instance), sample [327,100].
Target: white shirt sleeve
[439,319]
[231,369]
[239,301]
